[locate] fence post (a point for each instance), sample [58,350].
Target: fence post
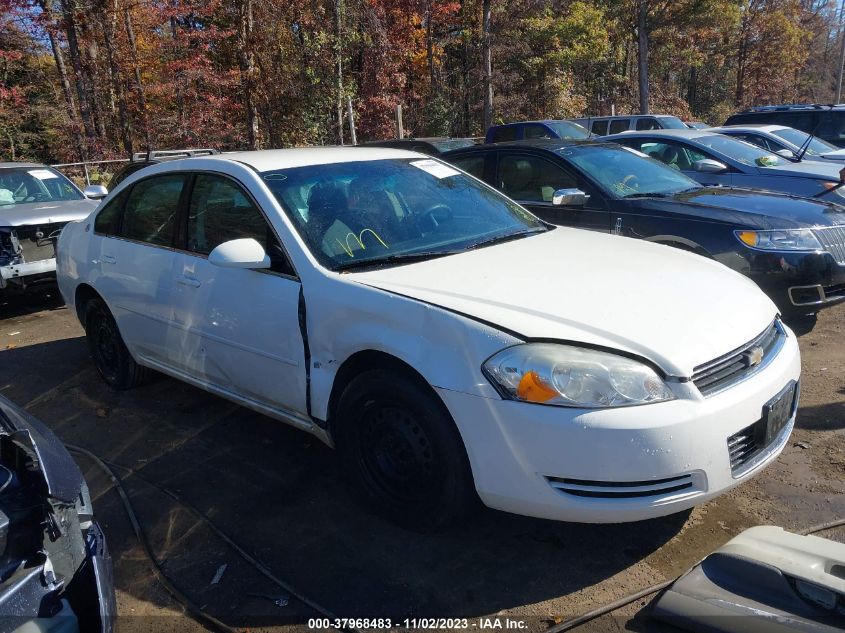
[400,132]
[351,120]
[87,177]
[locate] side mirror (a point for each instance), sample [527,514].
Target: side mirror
[569,198]
[95,192]
[242,253]
[787,153]
[709,166]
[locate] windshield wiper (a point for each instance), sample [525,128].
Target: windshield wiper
[505,238]
[645,194]
[399,258]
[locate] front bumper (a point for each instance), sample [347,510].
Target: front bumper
[22,271]
[798,281]
[524,456]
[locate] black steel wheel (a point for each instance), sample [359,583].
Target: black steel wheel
[402,450]
[108,351]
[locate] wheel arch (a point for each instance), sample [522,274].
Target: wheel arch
[84,293]
[366,360]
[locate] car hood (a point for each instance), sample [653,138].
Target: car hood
[676,309]
[46,212]
[748,208]
[837,155]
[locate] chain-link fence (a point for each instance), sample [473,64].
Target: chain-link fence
[92,172]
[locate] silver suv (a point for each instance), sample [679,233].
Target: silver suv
[601,125]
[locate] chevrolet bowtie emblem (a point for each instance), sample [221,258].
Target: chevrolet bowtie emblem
[754,356]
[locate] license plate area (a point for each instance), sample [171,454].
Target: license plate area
[778,411]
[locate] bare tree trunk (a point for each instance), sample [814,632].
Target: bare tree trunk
[91,66]
[180,97]
[59,58]
[108,16]
[642,53]
[339,63]
[429,45]
[246,57]
[69,20]
[487,63]
[142,100]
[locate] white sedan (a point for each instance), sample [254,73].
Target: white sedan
[445,340]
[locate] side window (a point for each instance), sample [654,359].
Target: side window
[537,131]
[150,213]
[506,133]
[619,125]
[599,127]
[805,121]
[471,164]
[531,179]
[675,155]
[107,221]
[647,123]
[220,211]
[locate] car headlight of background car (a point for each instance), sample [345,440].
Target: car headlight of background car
[565,375]
[780,240]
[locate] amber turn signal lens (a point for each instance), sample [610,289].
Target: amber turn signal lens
[532,389]
[747,237]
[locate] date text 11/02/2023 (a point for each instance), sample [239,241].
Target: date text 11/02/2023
[443,624]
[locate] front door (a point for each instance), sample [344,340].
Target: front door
[532,180]
[239,327]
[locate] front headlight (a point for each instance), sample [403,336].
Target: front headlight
[564,375]
[780,240]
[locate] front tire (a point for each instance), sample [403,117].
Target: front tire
[401,449]
[108,351]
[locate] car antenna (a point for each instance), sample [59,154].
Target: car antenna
[806,145]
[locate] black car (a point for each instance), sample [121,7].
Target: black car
[140,160]
[55,568]
[793,248]
[431,145]
[825,121]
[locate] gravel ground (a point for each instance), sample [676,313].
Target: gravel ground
[277,493]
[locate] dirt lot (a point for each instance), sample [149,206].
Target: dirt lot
[277,493]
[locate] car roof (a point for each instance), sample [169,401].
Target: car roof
[271,159]
[752,127]
[627,116]
[685,133]
[9,165]
[548,145]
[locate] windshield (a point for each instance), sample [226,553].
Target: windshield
[672,123]
[625,173]
[367,212]
[798,138]
[22,185]
[742,152]
[568,129]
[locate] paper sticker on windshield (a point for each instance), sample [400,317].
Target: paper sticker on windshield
[42,174]
[438,170]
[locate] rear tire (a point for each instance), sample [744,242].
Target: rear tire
[108,351]
[401,449]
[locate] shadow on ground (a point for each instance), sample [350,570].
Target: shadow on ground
[278,493]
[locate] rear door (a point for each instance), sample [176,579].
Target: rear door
[532,180]
[239,328]
[135,258]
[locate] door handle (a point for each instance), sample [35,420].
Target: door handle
[188,281]
[108,259]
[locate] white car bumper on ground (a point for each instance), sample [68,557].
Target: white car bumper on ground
[622,464]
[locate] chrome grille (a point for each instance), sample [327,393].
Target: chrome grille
[833,241]
[726,370]
[621,489]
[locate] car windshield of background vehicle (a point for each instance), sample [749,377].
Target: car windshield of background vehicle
[568,130]
[672,123]
[798,138]
[624,173]
[371,213]
[742,152]
[24,185]
[452,143]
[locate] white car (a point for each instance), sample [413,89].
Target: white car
[445,340]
